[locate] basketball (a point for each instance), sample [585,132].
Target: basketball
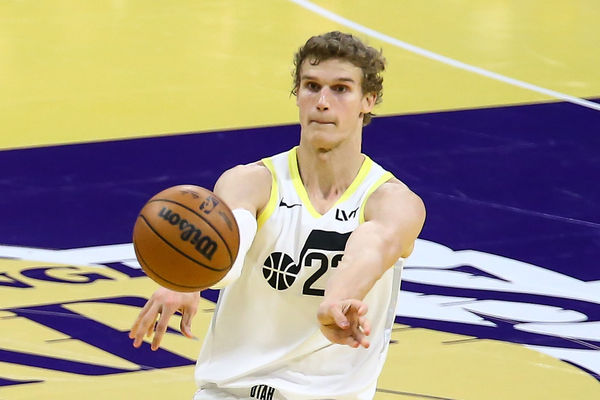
[186,238]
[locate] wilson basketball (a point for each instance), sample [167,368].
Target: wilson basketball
[186,238]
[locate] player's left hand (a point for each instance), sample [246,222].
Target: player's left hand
[344,322]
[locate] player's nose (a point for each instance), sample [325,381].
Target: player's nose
[323,102]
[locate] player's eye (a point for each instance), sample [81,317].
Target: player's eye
[340,88]
[312,86]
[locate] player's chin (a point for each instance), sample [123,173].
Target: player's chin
[325,140]
[324,130]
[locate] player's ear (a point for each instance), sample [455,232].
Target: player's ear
[368,102]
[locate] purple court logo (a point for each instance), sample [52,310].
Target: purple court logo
[465,292]
[493,297]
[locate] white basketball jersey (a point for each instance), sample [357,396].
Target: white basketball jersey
[265,329]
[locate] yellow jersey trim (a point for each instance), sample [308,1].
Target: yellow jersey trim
[272,203]
[298,185]
[303,194]
[384,178]
[360,177]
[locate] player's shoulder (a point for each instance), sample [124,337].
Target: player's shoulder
[247,186]
[254,173]
[394,195]
[395,189]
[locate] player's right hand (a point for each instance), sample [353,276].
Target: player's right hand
[344,322]
[164,302]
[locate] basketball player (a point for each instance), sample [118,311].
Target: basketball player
[307,309]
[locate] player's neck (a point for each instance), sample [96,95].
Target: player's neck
[327,174]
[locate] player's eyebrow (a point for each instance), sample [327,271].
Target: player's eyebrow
[314,78]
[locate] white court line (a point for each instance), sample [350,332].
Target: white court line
[443,59]
[88,256]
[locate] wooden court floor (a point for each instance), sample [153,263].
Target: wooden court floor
[490,113]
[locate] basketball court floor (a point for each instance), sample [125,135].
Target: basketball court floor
[490,113]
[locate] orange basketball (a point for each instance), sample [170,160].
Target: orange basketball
[186,238]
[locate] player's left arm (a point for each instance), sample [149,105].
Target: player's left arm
[394,217]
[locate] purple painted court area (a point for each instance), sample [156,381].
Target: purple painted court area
[519,181]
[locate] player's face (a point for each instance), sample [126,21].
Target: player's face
[331,102]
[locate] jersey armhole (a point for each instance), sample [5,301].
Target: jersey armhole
[272,203]
[383,179]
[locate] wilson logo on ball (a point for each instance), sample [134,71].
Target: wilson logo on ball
[189,232]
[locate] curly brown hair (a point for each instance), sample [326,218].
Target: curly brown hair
[346,47]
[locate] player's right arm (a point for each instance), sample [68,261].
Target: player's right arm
[246,190]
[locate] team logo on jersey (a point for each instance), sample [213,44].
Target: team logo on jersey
[322,251]
[280,270]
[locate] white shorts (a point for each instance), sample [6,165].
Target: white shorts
[212,392]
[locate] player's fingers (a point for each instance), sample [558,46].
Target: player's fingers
[349,341]
[365,325]
[361,338]
[161,328]
[338,313]
[358,335]
[186,321]
[138,321]
[360,307]
[364,342]
[151,328]
[145,325]
[355,307]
